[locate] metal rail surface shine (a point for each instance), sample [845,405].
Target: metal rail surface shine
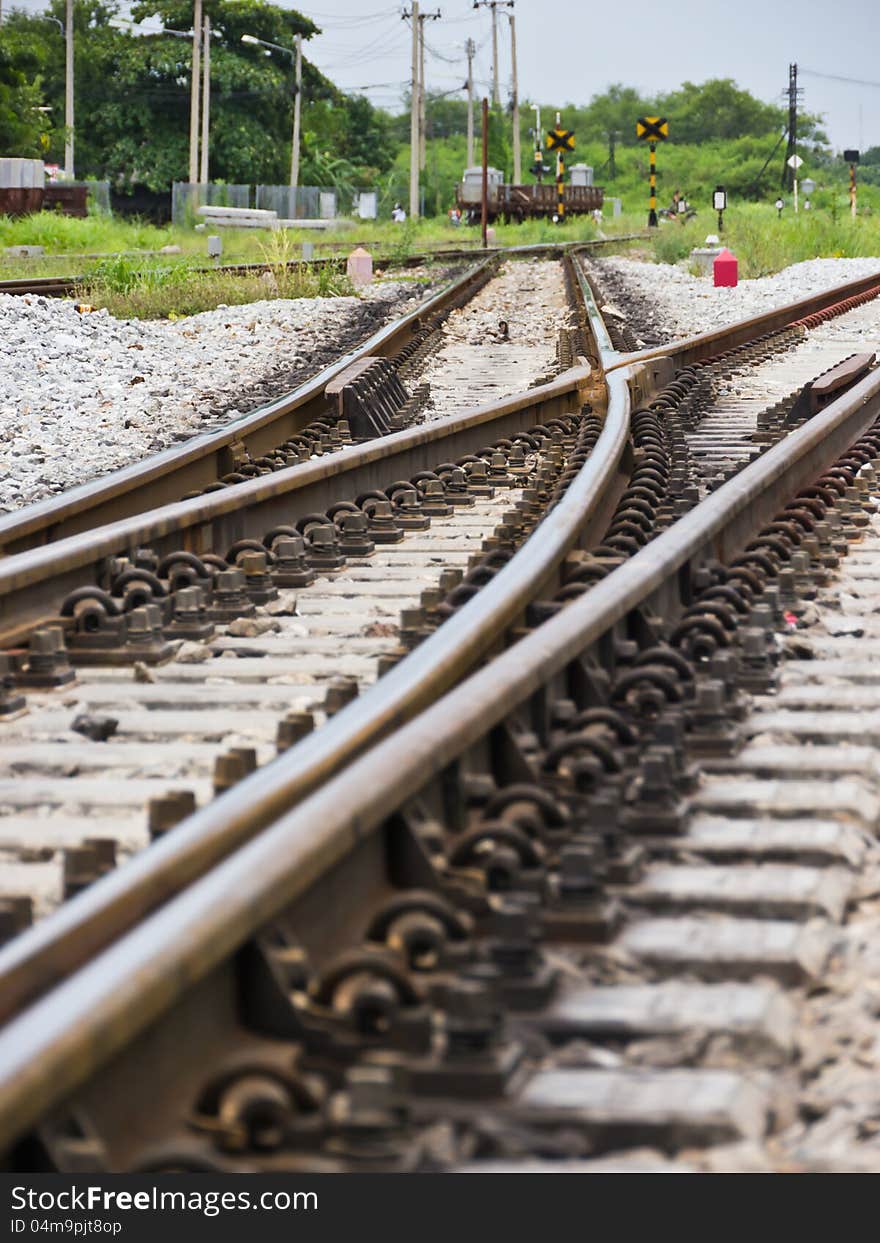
[54,1047]
[699,348]
[42,956]
[165,477]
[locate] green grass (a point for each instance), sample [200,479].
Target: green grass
[139,285]
[762,242]
[130,290]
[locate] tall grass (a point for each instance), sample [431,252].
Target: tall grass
[131,290]
[763,242]
[71,235]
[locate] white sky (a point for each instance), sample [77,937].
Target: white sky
[570,50]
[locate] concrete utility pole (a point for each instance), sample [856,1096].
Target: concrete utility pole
[493,5]
[496,97]
[414,117]
[470,48]
[517,157]
[484,195]
[425,17]
[206,99]
[68,91]
[194,94]
[297,112]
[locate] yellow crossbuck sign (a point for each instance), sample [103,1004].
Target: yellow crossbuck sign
[652,129]
[560,139]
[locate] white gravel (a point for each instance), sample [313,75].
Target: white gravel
[84,394]
[691,304]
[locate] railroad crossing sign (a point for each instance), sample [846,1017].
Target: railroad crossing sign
[652,129]
[560,139]
[794,161]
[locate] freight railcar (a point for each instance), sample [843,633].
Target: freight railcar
[520,203]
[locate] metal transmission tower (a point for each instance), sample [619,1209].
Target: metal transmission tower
[795,92]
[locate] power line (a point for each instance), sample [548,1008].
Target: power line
[836,77]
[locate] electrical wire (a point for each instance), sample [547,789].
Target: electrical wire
[836,77]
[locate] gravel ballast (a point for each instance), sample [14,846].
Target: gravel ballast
[84,394]
[667,301]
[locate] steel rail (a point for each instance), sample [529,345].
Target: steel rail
[166,476]
[61,286]
[34,583]
[66,1037]
[688,350]
[41,956]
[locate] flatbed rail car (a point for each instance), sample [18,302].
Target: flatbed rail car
[518,203]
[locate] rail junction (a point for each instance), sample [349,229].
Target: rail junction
[545,838]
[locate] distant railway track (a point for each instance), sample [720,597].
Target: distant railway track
[67,286]
[407,916]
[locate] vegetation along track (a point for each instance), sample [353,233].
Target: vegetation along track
[532,798]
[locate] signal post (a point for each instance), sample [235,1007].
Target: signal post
[652,130]
[560,140]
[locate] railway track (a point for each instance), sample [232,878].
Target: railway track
[493,912]
[67,286]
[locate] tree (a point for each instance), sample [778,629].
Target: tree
[25,130]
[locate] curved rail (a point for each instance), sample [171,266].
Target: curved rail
[689,350]
[43,955]
[164,477]
[54,1047]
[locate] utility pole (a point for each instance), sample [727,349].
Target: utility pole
[493,5]
[68,91]
[424,17]
[470,48]
[496,98]
[414,115]
[789,174]
[206,98]
[297,111]
[194,94]
[517,156]
[484,196]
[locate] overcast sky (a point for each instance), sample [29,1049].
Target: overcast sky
[571,49]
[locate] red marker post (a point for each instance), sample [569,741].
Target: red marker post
[725,269]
